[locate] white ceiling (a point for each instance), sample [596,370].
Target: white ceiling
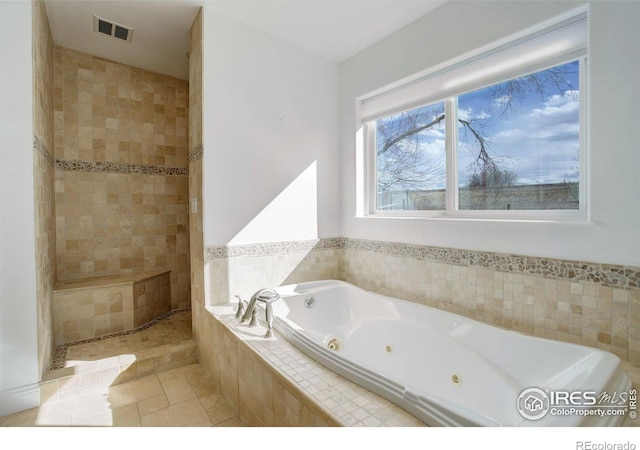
[334,29]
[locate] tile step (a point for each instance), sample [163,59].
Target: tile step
[118,369]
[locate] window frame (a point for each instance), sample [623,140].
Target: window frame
[452,210]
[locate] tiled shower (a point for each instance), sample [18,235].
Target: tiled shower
[121,171]
[111,165]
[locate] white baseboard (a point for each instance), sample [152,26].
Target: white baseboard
[19,399]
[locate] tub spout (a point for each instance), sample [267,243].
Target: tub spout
[267,296]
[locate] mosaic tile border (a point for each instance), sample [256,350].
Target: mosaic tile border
[60,354]
[625,277]
[421,252]
[270,248]
[120,168]
[39,147]
[196,153]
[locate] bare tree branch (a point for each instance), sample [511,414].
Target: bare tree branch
[408,133]
[508,94]
[484,160]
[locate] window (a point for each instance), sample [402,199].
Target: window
[410,159]
[468,139]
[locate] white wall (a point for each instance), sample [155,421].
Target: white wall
[18,314]
[270,134]
[613,233]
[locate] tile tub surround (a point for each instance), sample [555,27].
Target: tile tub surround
[271,383]
[585,303]
[95,307]
[243,269]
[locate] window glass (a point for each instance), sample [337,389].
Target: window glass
[518,143]
[411,160]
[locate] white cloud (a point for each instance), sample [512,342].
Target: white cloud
[571,96]
[470,114]
[557,109]
[503,100]
[540,144]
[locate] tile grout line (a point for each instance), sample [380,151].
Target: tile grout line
[60,353]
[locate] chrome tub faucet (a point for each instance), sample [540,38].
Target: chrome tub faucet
[267,296]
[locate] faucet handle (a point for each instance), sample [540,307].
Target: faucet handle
[241,306]
[254,318]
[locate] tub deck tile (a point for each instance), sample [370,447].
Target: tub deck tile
[347,402]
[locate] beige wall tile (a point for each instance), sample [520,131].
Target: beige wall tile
[44,122]
[99,213]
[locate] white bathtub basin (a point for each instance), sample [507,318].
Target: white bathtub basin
[445,369]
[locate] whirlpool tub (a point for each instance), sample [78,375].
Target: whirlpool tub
[448,370]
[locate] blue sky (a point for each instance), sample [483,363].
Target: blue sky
[539,142]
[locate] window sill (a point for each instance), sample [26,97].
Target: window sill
[488,218]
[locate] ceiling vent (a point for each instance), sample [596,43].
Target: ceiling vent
[113,29]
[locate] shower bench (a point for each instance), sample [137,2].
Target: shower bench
[94,307]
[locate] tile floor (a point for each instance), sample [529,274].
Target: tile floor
[143,379]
